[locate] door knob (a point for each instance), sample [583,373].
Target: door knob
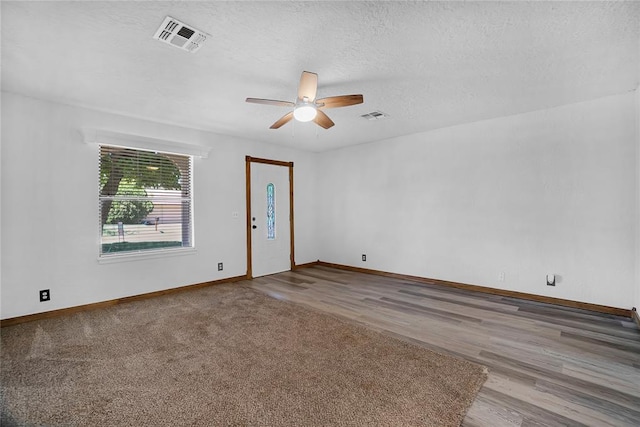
[254,227]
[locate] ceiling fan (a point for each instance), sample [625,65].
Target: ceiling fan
[307,107]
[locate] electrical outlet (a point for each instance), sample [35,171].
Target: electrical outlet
[501,276]
[551,279]
[45,295]
[219,266]
[364,257]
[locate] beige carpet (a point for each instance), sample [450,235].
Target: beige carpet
[224,355]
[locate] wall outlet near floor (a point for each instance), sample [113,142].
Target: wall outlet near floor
[551,279]
[219,266]
[364,257]
[45,295]
[501,276]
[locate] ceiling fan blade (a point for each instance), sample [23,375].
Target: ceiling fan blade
[323,120]
[282,120]
[340,101]
[270,102]
[308,86]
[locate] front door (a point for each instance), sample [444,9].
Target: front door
[269,217]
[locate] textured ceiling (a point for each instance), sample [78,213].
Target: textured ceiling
[427,65]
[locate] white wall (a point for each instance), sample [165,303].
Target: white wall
[551,191]
[0,206]
[49,209]
[637,116]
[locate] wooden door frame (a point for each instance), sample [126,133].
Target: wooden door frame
[248,161]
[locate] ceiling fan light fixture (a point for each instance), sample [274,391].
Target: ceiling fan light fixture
[305,113]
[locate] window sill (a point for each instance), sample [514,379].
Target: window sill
[135,256]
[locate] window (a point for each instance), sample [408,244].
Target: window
[145,201]
[271,212]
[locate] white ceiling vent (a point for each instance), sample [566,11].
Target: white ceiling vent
[375,115]
[180,35]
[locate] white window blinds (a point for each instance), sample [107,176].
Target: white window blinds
[145,201]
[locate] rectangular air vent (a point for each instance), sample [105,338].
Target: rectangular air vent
[180,35]
[375,115]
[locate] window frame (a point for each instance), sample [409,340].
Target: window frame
[99,137]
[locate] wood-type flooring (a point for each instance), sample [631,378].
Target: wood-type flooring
[548,365]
